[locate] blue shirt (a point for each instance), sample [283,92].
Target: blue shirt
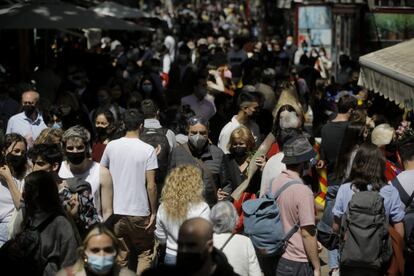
[24,126]
[394,208]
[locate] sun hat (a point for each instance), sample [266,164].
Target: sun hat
[297,150]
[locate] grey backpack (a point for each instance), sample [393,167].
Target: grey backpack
[364,233]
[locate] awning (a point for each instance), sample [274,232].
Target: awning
[390,72]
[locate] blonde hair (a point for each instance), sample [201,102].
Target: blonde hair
[49,136]
[244,134]
[183,187]
[97,230]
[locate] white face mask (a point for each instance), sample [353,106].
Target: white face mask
[198,141]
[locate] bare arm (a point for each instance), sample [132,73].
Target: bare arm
[336,226]
[311,247]
[14,191]
[399,227]
[152,195]
[106,192]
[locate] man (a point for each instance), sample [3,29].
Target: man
[406,180]
[208,158]
[196,255]
[76,148]
[248,104]
[132,164]
[296,205]
[333,132]
[28,123]
[151,114]
[199,101]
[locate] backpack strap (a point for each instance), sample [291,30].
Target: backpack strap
[284,187]
[291,232]
[405,198]
[227,241]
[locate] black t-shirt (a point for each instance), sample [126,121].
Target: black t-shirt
[332,134]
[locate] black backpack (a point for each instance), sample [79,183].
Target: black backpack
[365,242]
[409,215]
[22,254]
[155,137]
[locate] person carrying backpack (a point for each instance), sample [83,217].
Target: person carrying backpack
[161,138]
[296,208]
[365,246]
[404,183]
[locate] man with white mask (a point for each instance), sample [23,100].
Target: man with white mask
[208,158]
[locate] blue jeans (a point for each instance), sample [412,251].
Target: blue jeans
[170,259]
[333,255]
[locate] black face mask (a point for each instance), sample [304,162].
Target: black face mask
[190,261]
[17,162]
[29,110]
[75,157]
[238,152]
[101,131]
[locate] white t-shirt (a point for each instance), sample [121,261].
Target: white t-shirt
[240,253]
[200,210]
[128,159]
[91,175]
[6,200]
[226,131]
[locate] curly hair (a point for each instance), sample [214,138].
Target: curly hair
[183,187]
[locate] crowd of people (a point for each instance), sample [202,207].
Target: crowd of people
[138,156]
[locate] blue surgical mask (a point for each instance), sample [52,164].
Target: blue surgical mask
[100,264]
[57,125]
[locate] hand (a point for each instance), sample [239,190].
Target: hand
[317,272]
[221,194]
[261,162]
[74,204]
[320,164]
[158,150]
[151,223]
[5,172]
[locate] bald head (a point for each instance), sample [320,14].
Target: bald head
[30,97]
[198,227]
[194,234]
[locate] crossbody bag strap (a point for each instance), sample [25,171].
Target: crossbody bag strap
[405,198]
[167,233]
[227,241]
[203,167]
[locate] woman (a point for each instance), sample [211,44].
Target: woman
[43,212]
[238,249]
[104,126]
[241,146]
[353,137]
[76,148]
[181,199]
[97,256]
[13,169]
[367,173]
